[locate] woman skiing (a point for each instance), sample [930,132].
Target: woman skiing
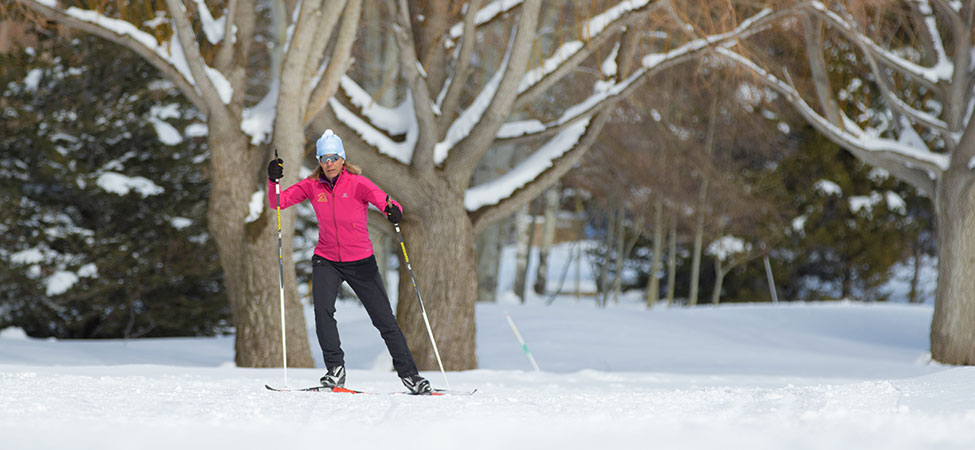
[341,197]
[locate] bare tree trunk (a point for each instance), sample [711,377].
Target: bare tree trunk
[915,278]
[702,206]
[523,220]
[653,284]
[489,246]
[602,290]
[248,254]
[532,226]
[580,235]
[620,256]
[671,261]
[447,285]
[490,241]
[549,222]
[698,245]
[719,274]
[952,330]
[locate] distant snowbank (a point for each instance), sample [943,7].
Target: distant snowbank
[830,339]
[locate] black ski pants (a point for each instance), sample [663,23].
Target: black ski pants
[364,278]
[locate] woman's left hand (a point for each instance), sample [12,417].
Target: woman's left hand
[393,214]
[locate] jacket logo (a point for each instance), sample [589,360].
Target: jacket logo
[322,197]
[344,195]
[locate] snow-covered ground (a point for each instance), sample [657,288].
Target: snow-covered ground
[792,376]
[841,375]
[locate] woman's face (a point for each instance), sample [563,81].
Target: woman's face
[331,165]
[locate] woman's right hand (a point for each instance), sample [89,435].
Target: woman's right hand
[275,170]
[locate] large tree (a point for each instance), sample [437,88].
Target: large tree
[901,100]
[460,97]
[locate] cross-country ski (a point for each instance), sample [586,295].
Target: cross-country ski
[342,390]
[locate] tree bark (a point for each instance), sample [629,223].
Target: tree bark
[952,327]
[653,284]
[446,284]
[698,245]
[489,247]
[671,261]
[523,220]
[248,254]
[913,296]
[549,222]
[718,281]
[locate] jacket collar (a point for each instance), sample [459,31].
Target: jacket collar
[331,184]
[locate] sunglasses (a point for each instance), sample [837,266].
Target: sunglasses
[329,158]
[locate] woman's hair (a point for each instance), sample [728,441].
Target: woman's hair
[352,168]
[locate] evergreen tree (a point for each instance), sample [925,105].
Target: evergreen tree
[103,233]
[852,225]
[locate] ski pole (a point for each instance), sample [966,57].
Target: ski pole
[423,310]
[522,341]
[284,338]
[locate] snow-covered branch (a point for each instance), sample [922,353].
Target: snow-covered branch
[492,192]
[484,15]
[462,159]
[449,99]
[167,58]
[213,86]
[400,151]
[650,65]
[929,76]
[423,107]
[327,80]
[571,54]
[918,166]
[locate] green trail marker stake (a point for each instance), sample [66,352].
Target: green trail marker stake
[522,341]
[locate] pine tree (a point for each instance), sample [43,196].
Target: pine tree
[104,235]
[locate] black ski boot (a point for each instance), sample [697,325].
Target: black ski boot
[417,385]
[334,378]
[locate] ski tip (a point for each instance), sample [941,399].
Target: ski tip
[452,392]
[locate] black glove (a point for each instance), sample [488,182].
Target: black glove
[275,169]
[393,214]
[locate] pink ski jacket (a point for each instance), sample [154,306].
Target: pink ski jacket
[342,211]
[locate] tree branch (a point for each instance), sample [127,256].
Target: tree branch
[338,64]
[463,158]
[488,214]
[483,216]
[909,69]
[320,28]
[128,40]
[226,52]
[423,105]
[187,40]
[451,101]
[918,167]
[548,78]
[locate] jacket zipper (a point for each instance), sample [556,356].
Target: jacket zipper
[335,222]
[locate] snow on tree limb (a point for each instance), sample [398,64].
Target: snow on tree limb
[171,63]
[462,126]
[324,85]
[462,158]
[485,15]
[400,151]
[893,155]
[213,87]
[571,54]
[449,98]
[494,191]
[929,76]
[423,106]
[212,28]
